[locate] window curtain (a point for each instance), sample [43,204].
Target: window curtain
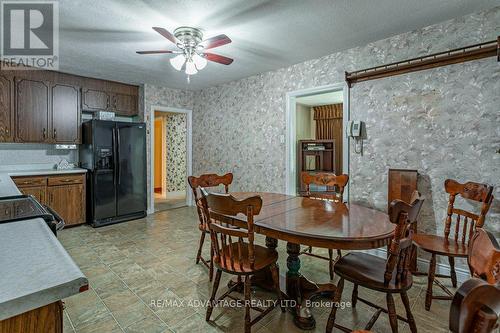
[329,127]
[328,121]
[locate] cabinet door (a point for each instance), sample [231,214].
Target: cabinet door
[69,202]
[39,192]
[32,111]
[93,100]
[125,104]
[6,108]
[65,114]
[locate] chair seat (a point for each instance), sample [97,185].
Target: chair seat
[440,245]
[368,271]
[263,258]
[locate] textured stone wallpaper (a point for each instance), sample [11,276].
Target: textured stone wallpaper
[176,152]
[443,122]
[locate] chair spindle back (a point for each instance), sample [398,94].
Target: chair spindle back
[228,242]
[403,215]
[328,180]
[471,191]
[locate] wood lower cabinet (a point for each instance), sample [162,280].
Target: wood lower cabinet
[46,319]
[63,193]
[35,186]
[6,108]
[68,201]
[39,192]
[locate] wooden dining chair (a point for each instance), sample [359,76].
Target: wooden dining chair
[484,256]
[390,276]
[196,183]
[457,247]
[474,308]
[476,304]
[235,252]
[335,192]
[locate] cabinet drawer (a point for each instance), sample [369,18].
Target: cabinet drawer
[30,181]
[66,179]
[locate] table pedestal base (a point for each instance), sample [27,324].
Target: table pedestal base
[299,290]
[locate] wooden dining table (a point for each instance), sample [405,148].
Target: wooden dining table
[312,222]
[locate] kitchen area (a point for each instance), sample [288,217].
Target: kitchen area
[72,152]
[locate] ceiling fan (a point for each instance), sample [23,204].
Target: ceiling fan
[191,54]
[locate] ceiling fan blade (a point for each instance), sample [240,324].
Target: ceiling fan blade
[218,58]
[216,41]
[154,52]
[165,33]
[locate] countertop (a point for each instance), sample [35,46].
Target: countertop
[36,270]
[7,186]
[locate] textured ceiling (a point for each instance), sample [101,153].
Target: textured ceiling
[99,38]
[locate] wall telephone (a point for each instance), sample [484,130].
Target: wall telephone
[354,130]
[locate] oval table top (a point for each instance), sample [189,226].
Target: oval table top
[320,223]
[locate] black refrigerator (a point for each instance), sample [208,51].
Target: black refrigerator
[114,153]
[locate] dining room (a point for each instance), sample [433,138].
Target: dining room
[336,170]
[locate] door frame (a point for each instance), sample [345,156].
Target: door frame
[189,150]
[291,151]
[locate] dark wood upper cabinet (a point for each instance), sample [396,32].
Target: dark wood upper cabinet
[65,114]
[95,100]
[38,106]
[125,104]
[32,111]
[6,108]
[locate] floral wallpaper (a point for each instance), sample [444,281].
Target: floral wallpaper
[165,97]
[443,122]
[176,152]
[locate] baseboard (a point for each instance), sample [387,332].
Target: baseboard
[423,266]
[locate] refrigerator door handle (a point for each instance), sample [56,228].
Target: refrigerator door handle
[115,162]
[117,166]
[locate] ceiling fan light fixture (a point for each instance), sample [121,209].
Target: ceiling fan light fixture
[199,61]
[191,68]
[191,46]
[178,61]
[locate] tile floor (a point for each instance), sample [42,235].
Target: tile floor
[172,200]
[129,265]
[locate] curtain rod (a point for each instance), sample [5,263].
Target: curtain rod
[455,56]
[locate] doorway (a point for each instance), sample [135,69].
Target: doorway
[316,142]
[171,158]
